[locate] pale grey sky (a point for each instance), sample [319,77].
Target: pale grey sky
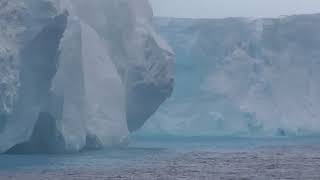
[233,8]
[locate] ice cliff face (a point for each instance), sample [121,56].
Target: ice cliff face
[243,77]
[78,74]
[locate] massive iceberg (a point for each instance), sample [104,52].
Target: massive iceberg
[78,74]
[242,77]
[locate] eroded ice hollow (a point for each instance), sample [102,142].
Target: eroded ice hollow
[78,74]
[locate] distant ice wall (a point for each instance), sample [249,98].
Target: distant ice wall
[242,77]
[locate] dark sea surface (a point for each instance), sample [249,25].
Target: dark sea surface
[177,158]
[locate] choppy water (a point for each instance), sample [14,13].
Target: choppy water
[177,158]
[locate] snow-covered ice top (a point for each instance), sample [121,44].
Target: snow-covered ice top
[78,74]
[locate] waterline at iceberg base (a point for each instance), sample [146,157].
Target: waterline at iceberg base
[176,158]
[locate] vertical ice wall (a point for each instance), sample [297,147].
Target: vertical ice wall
[239,76]
[81,79]
[135,49]
[11,27]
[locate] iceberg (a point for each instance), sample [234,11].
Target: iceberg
[72,79]
[242,77]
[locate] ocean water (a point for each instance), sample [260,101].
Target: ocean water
[177,158]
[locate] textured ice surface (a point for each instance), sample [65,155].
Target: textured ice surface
[73,79]
[242,77]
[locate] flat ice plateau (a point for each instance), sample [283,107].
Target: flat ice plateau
[187,159]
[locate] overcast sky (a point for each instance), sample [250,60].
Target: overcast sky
[233,8]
